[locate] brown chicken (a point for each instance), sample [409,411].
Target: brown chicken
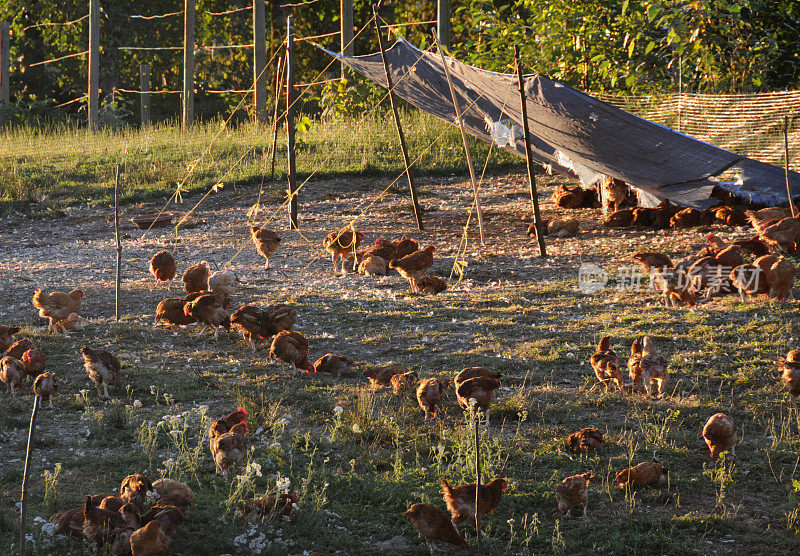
[674,285]
[753,245]
[266,242]
[726,255]
[404,381]
[337,365]
[382,376]
[647,366]
[429,395]
[291,347]
[574,197]
[169,517]
[606,365]
[70,522]
[131,519]
[571,493]
[614,192]
[229,449]
[57,306]
[175,493]
[269,508]
[384,249]
[460,499]
[373,265]
[163,266]
[650,260]
[720,435]
[340,243]
[434,525]
[209,310]
[34,362]
[558,227]
[134,489]
[784,233]
[643,216]
[430,285]
[473,372]
[195,278]
[72,323]
[170,311]
[479,388]
[45,387]
[686,218]
[99,525]
[223,283]
[748,278]
[790,373]
[103,368]
[12,373]
[225,424]
[731,216]
[585,440]
[643,474]
[7,336]
[769,213]
[412,266]
[619,219]
[150,540]
[255,322]
[404,246]
[779,274]
[18,348]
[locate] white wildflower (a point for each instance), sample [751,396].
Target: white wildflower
[137,403]
[338,410]
[357,428]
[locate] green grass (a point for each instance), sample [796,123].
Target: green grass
[62,166]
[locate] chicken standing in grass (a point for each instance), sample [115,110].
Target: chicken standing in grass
[150,540]
[606,365]
[195,278]
[256,322]
[460,499]
[412,266]
[720,435]
[585,440]
[103,368]
[291,347]
[34,362]
[230,448]
[266,242]
[382,376]
[18,348]
[45,387]
[7,336]
[336,365]
[647,366]
[163,266]
[57,306]
[430,285]
[403,381]
[643,474]
[571,493]
[790,373]
[12,373]
[340,243]
[223,283]
[429,395]
[209,310]
[434,525]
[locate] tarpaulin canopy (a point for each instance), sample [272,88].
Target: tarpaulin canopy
[572,131]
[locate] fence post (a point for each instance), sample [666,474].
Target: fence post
[5,61]
[144,86]
[443,22]
[119,245]
[94,64]
[786,159]
[187,112]
[290,124]
[23,526]
[346,30]
[260,60]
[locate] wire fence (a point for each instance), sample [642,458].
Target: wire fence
[747,124]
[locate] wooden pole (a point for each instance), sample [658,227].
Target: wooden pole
[346,30]
[144,86]
[276,118]
[24,502]
[478,209]
[478,484]
[443,21]
[537,217]
[786,157]
[260,81]
[290,124]
[94,64]
[398,125]
[187,95]
[5,64]
[119,245]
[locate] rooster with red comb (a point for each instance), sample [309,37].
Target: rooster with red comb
[225,424]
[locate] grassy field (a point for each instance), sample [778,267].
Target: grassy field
[357,470]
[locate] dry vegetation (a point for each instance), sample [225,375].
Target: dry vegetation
[357,471]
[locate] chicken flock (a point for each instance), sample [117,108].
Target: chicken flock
[145,516]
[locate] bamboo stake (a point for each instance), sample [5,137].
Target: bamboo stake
[478,484]
[537,217]
[23,502]
[278,84]
[786,156]
[412,189]
[290,124]
[119,245]
[478,209]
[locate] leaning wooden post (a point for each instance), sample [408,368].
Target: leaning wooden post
[290,124]
[5,64]
[144,87]
[478,484]
[260,80]
[276,118]
[119,245]
[537,217]
[460,122]
[443,21]
[24,502]
[346,30]
[401,135]
[786,157]
[187,95]
[94,64]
